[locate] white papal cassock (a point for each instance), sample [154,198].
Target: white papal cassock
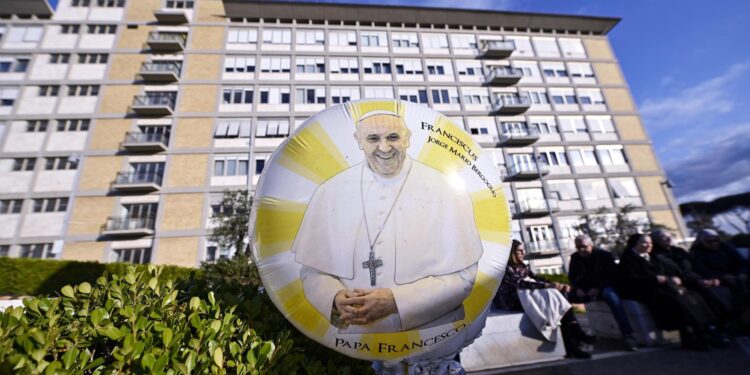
[429,247]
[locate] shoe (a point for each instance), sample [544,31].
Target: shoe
[586,338]
[630,342]
[578,353]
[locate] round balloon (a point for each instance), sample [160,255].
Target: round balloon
[381,230]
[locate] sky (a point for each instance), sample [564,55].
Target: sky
[687,63]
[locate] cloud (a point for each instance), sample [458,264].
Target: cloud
[694,103]
[713,167]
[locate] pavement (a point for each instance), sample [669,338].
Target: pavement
[665,360]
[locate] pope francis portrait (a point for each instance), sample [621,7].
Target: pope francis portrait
[389,244]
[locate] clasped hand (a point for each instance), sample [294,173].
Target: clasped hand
[364,306]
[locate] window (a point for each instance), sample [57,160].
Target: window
[593,189]
[316,95]
[23,164]
[482,125]
[230,166]
[59,58]
[310,65]
[4,250]
[49,90]
[239,64]
[580,70]
[237,95]
[463,41]
[528,68]
[409,66]
[277,36]
[572,124]
[469,68]
[180,4]
[439,68]
[137,256]
[554,69]
[50,205]
[590,96]
[140,211]
[514,128]
[405,40]
[416,95]
[234,128]
[344,94]
[8,96]
[14,65]
[434,41]
[272,128]
[553,157]
[275,64]
[73,125]
[36,126]
[373,39]
[214,252]
[611,155]
[59,164]
[37,250]
[522,45]
[10,206]
[379,92]
[24,34]
[345,65]
[600,124]
[624,188]
[110,3]
[544,125]
[242,36]
[311,37]
[537,96]
[260,163]
[92,58]
[445,96]
[563,96]
[572,47]
[83,90]
[546,47]
[342,38]
[582,157]
[80,3]
[376,66]
[563,190]
[102,29]
[274,95]
[70,29]
[475,96]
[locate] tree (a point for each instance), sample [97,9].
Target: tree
[700,220]
[231,221]
[611,230]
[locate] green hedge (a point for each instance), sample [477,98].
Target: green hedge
[33,277]
[562,278]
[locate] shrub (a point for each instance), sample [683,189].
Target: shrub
[32,277]
[134,323]
[561,278]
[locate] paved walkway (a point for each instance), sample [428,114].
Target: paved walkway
[670,360]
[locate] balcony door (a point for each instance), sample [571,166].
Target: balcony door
[541,237]
[523,162]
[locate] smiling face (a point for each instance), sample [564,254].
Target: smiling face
[384,140]
[644,245]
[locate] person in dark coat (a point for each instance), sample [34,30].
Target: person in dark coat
[591,273]
[717,260]
[519,276]
[719,297]
[657,282]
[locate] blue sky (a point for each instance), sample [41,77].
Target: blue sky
[687,63]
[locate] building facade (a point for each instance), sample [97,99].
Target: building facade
[123,121]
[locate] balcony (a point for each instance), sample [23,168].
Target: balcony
[141,142]
[519,138]
[545,247]
[526,171]
[137,182]
[171,16]
[503,76]
[536,207]
[511,104]
[166,41]
[128,226]
[153,105]
[163,72]
[497,49]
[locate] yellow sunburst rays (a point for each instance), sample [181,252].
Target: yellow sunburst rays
[449,155]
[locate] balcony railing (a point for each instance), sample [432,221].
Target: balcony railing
[153,105]
[129,226]
[519,138]
[544,247]
[511,104]
[137,141]
[167,41]
[503,76]
[527,171]
[171,16]
[497,49]
[162,71]
[537,207]
[136,181]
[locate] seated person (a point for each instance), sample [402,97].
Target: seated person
[717,260]
[518,277]
[718,296]
[657,282]
[591,273]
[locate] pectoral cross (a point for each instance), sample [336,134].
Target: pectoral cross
[372,264]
